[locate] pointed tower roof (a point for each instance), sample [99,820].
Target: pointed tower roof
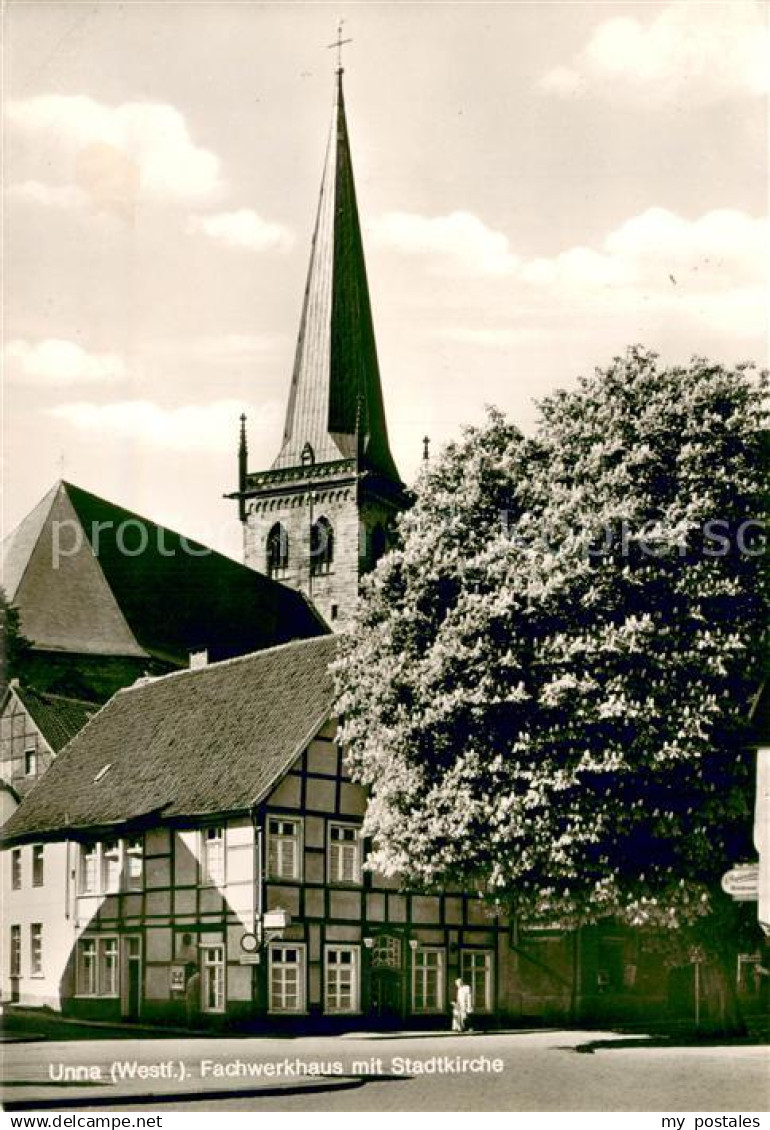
[335,402]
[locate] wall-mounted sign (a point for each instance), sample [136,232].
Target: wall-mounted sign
[742,883]
[177,978]
[249,943]
[276,919]
[249,959]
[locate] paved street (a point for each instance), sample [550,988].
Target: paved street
[514,1071]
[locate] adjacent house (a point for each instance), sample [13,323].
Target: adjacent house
[34,727]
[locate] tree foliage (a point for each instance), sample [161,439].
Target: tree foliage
[13,644]
[545,687]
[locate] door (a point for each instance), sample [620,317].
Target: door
[387,980]
[131,996]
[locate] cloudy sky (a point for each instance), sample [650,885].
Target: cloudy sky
[540,185]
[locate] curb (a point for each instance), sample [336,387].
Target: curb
[117,1101]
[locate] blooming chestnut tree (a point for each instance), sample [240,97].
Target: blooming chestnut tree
[546,685]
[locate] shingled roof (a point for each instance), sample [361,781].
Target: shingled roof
[194,743]
[57,718]
[74,571]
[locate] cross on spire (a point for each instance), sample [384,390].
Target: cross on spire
[339,43]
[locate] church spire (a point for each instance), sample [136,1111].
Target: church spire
[335,403]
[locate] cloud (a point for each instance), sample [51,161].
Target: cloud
[714,268]
[199,427]
[121,154]
[457,243]
[243,229]
[656,268]
[56,362]
[49,195]
[705,52]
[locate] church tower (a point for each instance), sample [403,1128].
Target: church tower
[323,513]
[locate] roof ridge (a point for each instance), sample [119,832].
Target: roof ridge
[146,681]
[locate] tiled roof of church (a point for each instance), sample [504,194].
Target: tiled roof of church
[335,401]
[200,742]
[58,718]
[73,570]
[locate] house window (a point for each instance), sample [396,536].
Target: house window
[283,848]
[341,972]
[111,866]
[15,951]
[89,869]
[134,864]
[213,978]
[86,972]
[321,546]
[277,551]
[98,967]
[16,869]
[287,978]
[344,854]
[214,856]
[476,970]
[428,980]
[108,967]
[37,865]
[36,949]
[30,762]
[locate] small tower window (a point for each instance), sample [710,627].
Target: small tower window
[321,547]
[277,555]
[308,456]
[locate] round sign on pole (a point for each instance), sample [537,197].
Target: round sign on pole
[249,943]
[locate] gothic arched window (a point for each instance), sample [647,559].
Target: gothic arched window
[321,546]
[277,551]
